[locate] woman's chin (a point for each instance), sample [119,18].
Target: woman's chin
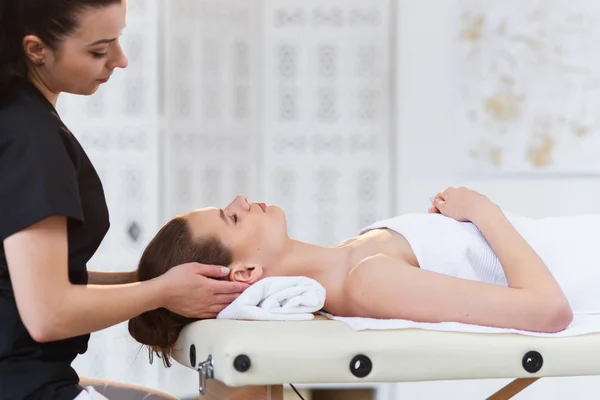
[272,209]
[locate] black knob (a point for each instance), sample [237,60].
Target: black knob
[193,356]
[241,363]
[532,361]
[361,366]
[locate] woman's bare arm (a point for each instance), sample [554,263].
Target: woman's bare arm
[523,267]
[383,287]
[533,300]
[51,307]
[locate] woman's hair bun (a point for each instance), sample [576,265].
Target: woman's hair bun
[159,330]
[148,329]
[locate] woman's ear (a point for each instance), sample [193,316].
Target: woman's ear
[35,49]
[247,273]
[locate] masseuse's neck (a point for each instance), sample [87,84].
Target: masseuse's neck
[323,264]
[45,90]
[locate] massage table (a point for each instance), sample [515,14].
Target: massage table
[253,359]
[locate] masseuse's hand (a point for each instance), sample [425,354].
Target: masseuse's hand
[191,291]
[460,203]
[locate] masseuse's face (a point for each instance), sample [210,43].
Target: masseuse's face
[255,232]
[87,57]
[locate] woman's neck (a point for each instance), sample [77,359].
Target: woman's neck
[43,88]
[327,265]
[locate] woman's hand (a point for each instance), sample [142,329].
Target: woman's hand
[191,291]
[461,204]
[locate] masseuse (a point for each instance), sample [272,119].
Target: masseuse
[53,213]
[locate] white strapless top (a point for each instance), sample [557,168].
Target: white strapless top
[569,246]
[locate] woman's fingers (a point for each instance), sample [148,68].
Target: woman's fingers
[444,193]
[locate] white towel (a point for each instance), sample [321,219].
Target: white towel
[278,298]
[89,393]
[581,325]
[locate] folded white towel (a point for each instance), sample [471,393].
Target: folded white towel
[581,325]
[278,298]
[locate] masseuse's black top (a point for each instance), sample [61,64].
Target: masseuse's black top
[44,171]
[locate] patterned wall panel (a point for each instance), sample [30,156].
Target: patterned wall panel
[327,86]
[212,128]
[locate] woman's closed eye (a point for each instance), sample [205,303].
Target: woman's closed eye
[97,54]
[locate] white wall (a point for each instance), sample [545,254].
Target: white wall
[426,147]
[426,124]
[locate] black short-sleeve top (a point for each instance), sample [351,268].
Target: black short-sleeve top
[44,172]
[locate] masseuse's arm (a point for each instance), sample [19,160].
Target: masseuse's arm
[383,287]
[111,278]
[52,308]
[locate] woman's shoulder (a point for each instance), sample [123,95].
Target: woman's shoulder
[32,134]
[27,123]
[23,109]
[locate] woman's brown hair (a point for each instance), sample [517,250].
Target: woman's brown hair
[172,245]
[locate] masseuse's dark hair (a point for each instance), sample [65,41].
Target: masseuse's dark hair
[50,20]
[172,245]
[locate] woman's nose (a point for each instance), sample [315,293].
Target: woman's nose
[243,202]
[240,203]
[120,60]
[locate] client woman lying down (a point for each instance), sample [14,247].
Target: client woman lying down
[465,261]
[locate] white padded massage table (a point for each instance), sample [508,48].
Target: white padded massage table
[232,355]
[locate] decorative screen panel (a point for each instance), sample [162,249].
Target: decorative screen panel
[327,87]
[212,100]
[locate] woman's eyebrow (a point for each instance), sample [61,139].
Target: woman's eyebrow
[222,214]
[102,41]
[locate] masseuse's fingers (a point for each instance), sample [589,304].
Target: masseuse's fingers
[212,271]
[207,316]
[216,308]
[225,298]
[228,287]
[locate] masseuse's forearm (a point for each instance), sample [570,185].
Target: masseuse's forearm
[523,268]
[87,308]
[111,278]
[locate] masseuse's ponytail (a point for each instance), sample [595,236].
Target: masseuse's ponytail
[9,54]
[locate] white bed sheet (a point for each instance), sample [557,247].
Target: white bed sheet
[582,324]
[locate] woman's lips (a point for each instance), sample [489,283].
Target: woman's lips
[263,206]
